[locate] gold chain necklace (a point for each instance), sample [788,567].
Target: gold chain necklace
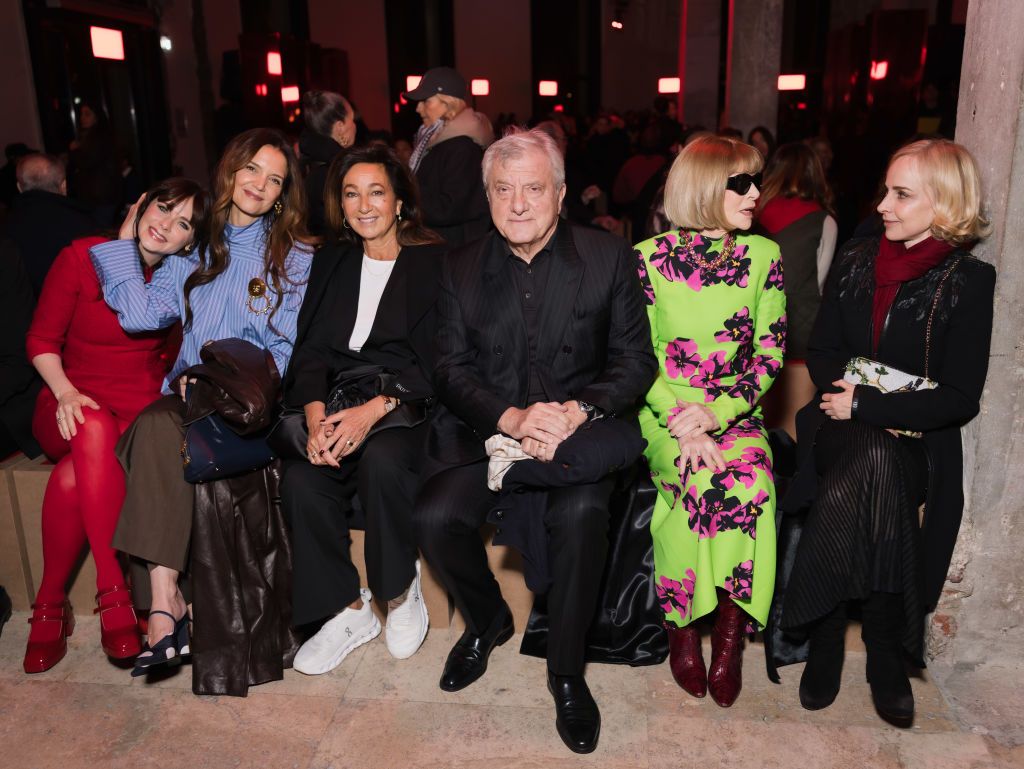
[728,247]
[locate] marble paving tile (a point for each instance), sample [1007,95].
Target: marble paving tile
[366,734]
[683,740]
[62,725]
[511,680]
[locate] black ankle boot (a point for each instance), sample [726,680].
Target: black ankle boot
[886,672]
[820,681]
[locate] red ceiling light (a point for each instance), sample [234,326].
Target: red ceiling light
[411,81]
[792,82]
[879,69]
[547,88]
[289,94]
[480,86]
[273,63]
[107,43]
[669,85]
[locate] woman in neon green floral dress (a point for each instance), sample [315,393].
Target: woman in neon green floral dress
[718,322]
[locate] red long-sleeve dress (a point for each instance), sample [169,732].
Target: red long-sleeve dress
[121,372]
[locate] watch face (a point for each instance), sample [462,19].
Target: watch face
[585,407]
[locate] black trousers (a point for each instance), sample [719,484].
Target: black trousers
[453,505]
[318,504]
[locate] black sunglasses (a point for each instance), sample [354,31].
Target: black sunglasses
[740,183]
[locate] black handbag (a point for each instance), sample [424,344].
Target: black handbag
[353,387]
[212,450]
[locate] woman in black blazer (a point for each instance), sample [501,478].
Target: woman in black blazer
[917,301]
[369,311]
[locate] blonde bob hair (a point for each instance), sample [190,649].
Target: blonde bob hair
[953,183]
[695,189]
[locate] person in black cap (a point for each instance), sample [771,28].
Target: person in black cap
[446,157]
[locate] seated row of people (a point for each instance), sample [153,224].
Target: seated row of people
[544,342]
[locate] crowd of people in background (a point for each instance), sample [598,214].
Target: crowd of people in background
[432,310]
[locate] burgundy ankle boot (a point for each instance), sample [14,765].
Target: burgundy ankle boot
[686,661]
[725,677]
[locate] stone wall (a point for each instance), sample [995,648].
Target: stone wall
[981,617]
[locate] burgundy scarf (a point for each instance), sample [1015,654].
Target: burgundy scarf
[895,265]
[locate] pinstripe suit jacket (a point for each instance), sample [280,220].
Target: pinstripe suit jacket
[594,343]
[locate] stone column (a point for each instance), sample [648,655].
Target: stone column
[752,96]
[978,631]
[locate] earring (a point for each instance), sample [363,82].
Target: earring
[278,208]
[399,214]
[345,222]
[187,249]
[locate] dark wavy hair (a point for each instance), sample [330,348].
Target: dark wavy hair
[411,230]
[795,171]
[172,192]
[284,230]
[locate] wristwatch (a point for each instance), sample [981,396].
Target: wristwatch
[589,409]
[389,403]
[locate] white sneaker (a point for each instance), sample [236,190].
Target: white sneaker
[408,622]
[341,634]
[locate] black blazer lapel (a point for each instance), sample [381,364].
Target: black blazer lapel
[326,262]
[559,295]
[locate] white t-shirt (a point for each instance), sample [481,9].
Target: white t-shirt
[372,282]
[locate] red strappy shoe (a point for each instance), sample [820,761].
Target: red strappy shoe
[52,623]
[119,627]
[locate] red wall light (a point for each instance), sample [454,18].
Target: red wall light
[107,43]
[411,81]
[273,63]
[879,69]
[669,85]
[792,82]
[289,93]
[547,88]
[559,108]
[616,25]
[261,89]
[480,86]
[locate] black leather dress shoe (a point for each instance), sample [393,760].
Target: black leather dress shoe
[467,660]
[577,718]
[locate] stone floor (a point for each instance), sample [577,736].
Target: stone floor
[374,711]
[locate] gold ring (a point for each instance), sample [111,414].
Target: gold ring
[349,444]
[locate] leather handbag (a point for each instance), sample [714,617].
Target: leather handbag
[212,451]
[351,388]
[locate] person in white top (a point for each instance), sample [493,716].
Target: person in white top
[362,374]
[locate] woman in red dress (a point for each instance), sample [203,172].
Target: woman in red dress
[98,379]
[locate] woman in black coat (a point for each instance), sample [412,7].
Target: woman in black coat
[368,316]
[330,129]
[915,301]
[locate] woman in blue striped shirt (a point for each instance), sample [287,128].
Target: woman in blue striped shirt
[247,283]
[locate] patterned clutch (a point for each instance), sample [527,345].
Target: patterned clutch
[864,371]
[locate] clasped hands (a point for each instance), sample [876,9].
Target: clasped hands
[691,426]
[541,427]
[341,433]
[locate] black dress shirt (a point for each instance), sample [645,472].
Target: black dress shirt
[531,280]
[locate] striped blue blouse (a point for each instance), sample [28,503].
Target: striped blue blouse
[219,309]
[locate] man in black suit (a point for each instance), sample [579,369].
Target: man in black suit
[542,326]
[43,220]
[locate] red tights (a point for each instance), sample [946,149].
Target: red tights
[82,501]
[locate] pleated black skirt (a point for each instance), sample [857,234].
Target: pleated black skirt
[862,533]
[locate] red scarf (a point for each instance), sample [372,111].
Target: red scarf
[778,213]
[895,265]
